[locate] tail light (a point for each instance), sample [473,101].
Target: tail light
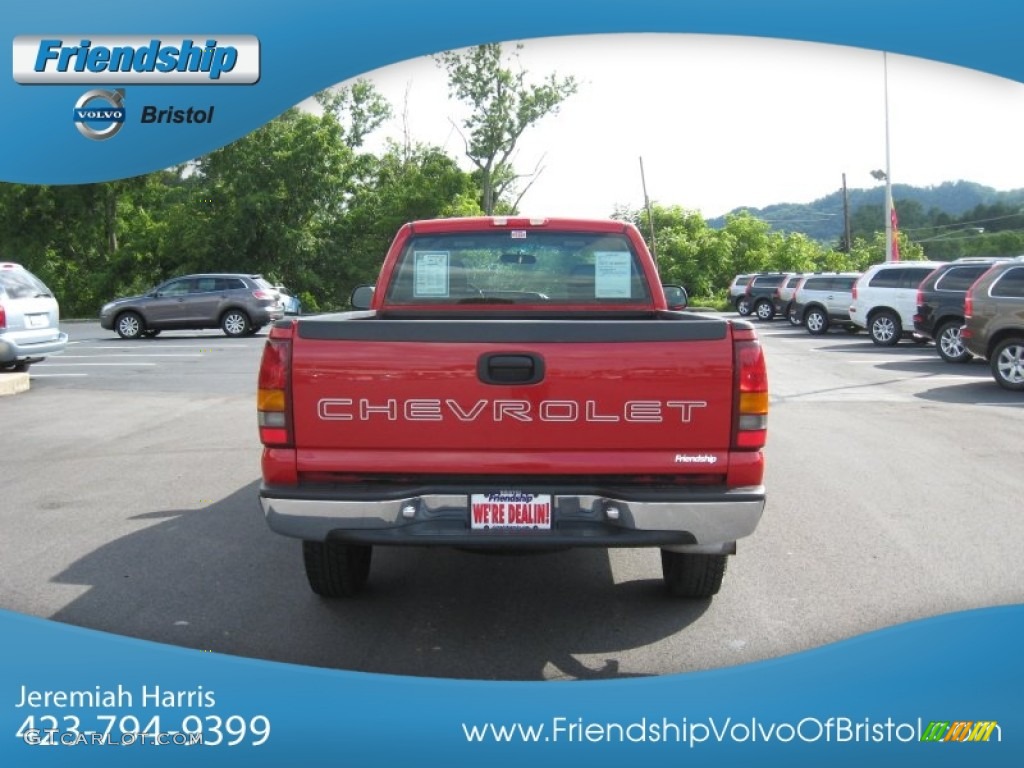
[968,306]
[920,297]
[3,317]
[751,426]
[265,295]
[853,293]
[273,397]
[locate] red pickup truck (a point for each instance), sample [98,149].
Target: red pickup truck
[514,383]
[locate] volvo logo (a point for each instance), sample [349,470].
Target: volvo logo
[99,114]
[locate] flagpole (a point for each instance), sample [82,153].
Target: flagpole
[888,172]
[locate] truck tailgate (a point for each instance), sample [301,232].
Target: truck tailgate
[508,396]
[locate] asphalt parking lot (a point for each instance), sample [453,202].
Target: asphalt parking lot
[130,481]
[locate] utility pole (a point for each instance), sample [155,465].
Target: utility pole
[888,171]
[846,217]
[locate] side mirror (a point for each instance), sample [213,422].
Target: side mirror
[676,296]
[362,297]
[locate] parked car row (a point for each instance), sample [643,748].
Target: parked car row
[969,307]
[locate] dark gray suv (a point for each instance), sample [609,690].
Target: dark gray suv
[994,322]
[237,304]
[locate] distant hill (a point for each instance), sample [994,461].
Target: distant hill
[822,219]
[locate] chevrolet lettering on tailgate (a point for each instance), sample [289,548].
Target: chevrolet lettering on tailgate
[427,409]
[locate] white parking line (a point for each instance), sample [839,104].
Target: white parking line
[879,360]
[130,354]
[35,375]
[50,362]
[149,346]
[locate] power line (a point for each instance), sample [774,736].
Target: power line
[962,223]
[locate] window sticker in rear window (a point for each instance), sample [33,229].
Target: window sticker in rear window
[430,274]
[612,274]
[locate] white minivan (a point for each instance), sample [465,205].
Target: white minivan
[29,319]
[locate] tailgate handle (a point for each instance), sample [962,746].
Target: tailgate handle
[510,369]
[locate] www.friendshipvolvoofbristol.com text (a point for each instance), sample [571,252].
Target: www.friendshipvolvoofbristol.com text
[808,730]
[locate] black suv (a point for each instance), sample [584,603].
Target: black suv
[760,293]
[940,305]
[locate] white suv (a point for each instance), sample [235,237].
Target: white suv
[885,299]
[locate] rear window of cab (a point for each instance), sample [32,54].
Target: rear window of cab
[518,267]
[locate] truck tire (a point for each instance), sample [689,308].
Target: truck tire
[692,575]
[335,569]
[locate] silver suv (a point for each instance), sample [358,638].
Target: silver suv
[29,319]
[736,290]
[885,299]
[822,301]
[237,304]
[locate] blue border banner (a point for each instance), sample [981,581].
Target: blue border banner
[307,46]
[887,698]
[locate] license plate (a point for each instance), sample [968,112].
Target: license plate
[37,321]
[510,511]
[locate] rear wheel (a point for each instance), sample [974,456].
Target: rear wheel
[743,306]
[129,325]
[885,328]
[949,345]
[1007,363]
[794,318]
[235,323]
[816,321]
[692,575]
[335,569]
[764,310]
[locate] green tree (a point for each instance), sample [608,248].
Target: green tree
[78,238]
[403,184]
[503,105]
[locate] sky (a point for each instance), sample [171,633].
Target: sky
[723,122]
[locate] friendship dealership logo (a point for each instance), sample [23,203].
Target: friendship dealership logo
[144,59]
[99,115]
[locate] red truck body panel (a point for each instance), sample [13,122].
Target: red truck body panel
[599,408]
